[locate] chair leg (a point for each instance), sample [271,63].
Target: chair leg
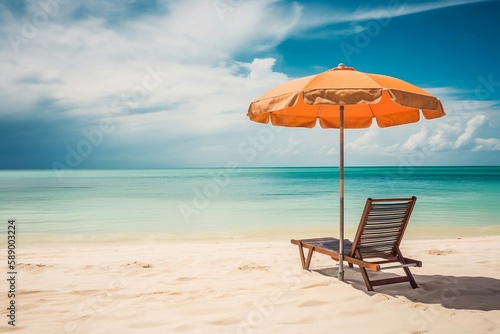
[309,257]
[368,283]
[364,273]
[301,253]
[305,262]
[412,281]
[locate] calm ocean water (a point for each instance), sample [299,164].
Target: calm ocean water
[197,200]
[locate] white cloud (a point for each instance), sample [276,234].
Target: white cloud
[368,142]
[293,147]
[472,126]
[326,150]
[261,24]
[263,68]
[444,136]
[491,144]
[416,139]
[316,16]
[90,65]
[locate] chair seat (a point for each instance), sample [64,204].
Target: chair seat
[329,243]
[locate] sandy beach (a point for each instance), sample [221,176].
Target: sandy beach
[162,285]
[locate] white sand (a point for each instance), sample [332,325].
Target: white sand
[245,286]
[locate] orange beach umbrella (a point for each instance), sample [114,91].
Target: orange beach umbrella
[344,98]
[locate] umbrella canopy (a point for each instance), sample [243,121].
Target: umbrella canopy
[344,98]
[301,102]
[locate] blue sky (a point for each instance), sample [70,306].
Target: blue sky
[155,84]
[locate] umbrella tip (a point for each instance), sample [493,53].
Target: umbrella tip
[342,66]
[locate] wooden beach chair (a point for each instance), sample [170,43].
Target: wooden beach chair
[376,243]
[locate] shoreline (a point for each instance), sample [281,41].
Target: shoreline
[275,234]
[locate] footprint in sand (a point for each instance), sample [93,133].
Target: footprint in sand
[436,251]
[139,264]
[32,267]
[251,266]
[312,303]
[185,279]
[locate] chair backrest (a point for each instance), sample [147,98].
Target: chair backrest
[382,226]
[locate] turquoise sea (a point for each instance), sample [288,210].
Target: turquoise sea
[174,201]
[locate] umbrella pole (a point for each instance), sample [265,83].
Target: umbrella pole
[341,170]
